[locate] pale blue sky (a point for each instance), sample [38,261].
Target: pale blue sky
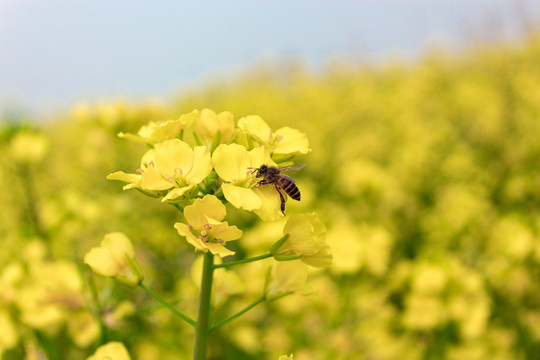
[54,52]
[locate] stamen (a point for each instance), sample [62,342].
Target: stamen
[139,170]
[204,233]
[190,227]
[207,226]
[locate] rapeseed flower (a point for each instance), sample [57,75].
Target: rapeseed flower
[156,132]
[172,169]
[214,129]
[282,143]
[234,164]
[205,230]
[306,237]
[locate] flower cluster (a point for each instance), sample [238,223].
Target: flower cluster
[204,160]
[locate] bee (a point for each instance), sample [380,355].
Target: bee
[273,175]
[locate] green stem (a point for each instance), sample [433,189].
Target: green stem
[241,312]
[167,305]
[243,261]
[203,322]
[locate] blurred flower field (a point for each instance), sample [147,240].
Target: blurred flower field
[426,177]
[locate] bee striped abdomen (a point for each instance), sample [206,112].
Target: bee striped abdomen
[290,188]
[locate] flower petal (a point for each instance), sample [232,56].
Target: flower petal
[202,165]
[270,209]
[225,232]
[119,245]
[241,197]
[255,126]
[218,249]
[133,180]
[177,192]
[231,162]
[185,231]
[293,142]
[207,207]
[152,180]
[102,262]
[172,156]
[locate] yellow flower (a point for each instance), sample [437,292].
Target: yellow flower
[28,147]
[115,258]
[9,336]
[156,132]
[206,231]
[306,237]
[213,128]
[172,168]
[111,351]
[287,276]
[234,164]
[286,357]
[282,143]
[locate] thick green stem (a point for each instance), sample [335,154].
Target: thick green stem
[203,322]
[167,305]
[232,263]
[241,312]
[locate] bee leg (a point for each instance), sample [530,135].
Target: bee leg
[282,198]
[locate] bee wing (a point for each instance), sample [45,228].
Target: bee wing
[294,167]
[287,178]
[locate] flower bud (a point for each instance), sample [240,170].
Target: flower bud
[115,258]
[111,351]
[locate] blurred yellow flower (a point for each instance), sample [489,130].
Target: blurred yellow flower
[9,335]
[206,231]
[235,164]
[286,277]
[111,351]
[156,132]
[83,328]
[28,147]
[285,141]
[115,258]
[307,237]
[286,357]
[209,124]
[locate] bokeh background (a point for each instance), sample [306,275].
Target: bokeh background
[424,120]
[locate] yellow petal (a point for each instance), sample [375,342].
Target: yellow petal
[270,209]
[241,197]
[255,126]
[173,157]
[119,245]
[102,262]
[153,181]
[185,231]
[218,249]
[292,142]
[177,192]
[131,179]
[209,206]
[321,258]
[202,165]
[112,351]
[231,162]
[260,156]
[225,232]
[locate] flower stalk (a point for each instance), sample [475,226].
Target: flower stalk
[203,321]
